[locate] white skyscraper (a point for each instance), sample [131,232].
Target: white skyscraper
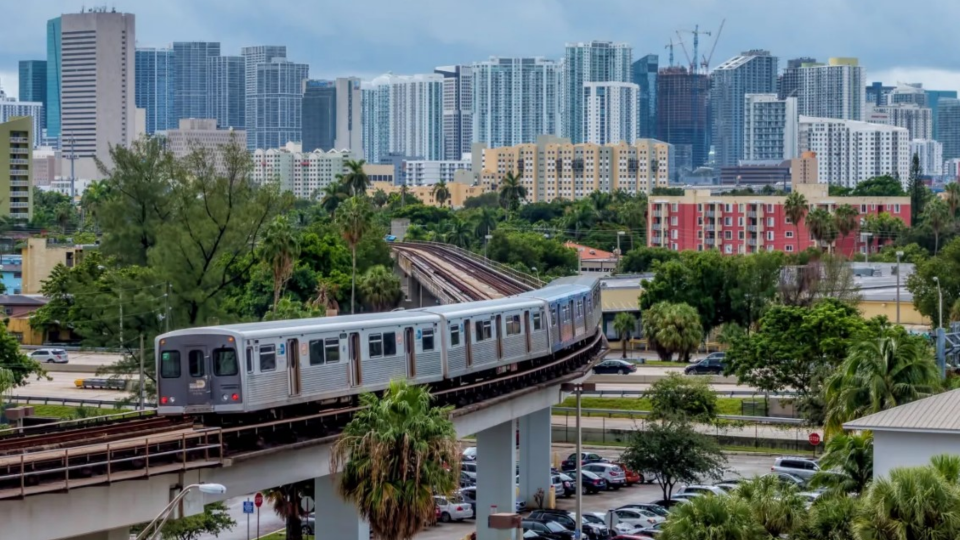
[917,120]
[612,112]
[10,108]
[403,115]
[515,100]
[849,152]
[770,128]
[302,173]
[930,153]
[833,90]
[594,61]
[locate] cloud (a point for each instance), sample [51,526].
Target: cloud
[10,83]
[932,78]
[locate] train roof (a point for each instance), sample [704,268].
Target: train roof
[552,293]
[585,281]
[302,326]
[481,307]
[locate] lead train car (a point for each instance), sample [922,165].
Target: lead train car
[257,366]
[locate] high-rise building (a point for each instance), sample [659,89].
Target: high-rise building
[52,114]
[302,173]
[252,56]
[457,110]
[833,90]
[788,84]
[155,89]
[682,115]
[515,100]
[11,108]
[933,101]
[403,115]
[191,75]
[426,173]
[752,72]
[917,120]
[33,84]
[907,93]
[849,151]
[770,128]
[375,101]
[16,178]
[645,76]
[594,61]
[331,115]
[611,112]
[196,133]
[98,108]
[226,95]
[930,154]
[878,93]
[277,102]
[948,125]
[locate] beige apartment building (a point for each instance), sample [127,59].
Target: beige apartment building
[194,133]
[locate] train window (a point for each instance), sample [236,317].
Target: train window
[316,352]
[249,359]
[195,363]
[537,322]
[389,344]
[554,321]
[454,335]
[331,350]
[170,364]
[268,358]
[427,342]
[484,331]
[375,343]
[513,325]
[225,362]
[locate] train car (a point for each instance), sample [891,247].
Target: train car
[573,307]
[593,310]
[291,362]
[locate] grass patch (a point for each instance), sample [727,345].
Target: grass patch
[725,448]
[661,363]
[66,412]
[731,406]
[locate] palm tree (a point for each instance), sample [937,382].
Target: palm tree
[404,192]
[600,201]
[937,215]
[712,518]
[354,221]
[355,178]
[845,220]
[380,198]
[830,518]
[380,289]
[512,192]
[672,328]
[580,214]
[286,504]
[796,208]
[395,453]
[952,191]
[878,374]
[624,323]
[331,197]
[820,224]
[280,248]
[777,507]
[847,464]
[486,222]
[914,502]
[441,193]
[460,233]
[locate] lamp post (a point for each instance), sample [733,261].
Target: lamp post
[486,242]
[537,272]
[152,530]
[866,240]
[940,302]
[580,261]
[578,389]
[899,254]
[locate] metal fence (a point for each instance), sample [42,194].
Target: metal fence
[70,402]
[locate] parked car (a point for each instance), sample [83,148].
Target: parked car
[650,507]
[713,364]
[797,466]
[592,483]
[788,478]
[609,472]
[467,479]
[670,503]
[632,537]
[469,454]
[571,462]
[615,366]
[653,530]
[638,517]
[567,486]
[50,356]
[468,466]
[453,509]
[630,477]
[548,529]
[308,525]
[596,523]
[811,497]
[702,490]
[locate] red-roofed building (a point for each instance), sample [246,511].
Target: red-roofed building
[594,260]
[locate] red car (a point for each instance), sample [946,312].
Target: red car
[630,476]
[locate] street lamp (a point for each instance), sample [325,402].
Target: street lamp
[899,254]
[619,234]
[485,244]
[578,389]
[152,530]
[580,261]
[534,268]
[940,297]
[866,240]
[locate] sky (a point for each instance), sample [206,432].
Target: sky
[896,42]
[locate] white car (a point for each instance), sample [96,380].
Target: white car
[638,517]
[469,454]
[703,490]
[50,356]
[453,508]
[613,474]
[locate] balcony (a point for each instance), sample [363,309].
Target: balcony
[19,205]
[751,214]
[752,228]
[657,213]
[710,241]
[19,161]
[656,240]
[711,227]
[20,183]
[751,241]
[22,140]
[20,151]
[711,213]
[657,226]
[19,172]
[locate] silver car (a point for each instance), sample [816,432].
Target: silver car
[804,468]
[50,356]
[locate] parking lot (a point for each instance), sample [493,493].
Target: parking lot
[741,465]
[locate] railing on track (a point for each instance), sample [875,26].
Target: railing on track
[620,413]
[70,402]
[526,279]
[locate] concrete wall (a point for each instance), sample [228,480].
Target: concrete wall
[895,449]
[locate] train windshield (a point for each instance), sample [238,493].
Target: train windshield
[225,362]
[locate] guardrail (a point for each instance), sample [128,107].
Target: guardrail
[732,393]
[609,413]
[70,402]
[526,279]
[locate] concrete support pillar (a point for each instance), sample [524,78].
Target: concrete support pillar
[535,460]
[496,483]
[336,519]
[123,533]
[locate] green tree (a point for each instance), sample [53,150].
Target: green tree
[686,398]
[936,215]
[795,207]
[878,374]
[395,454]
[580,215]
[776,506]
[380,289]
[847,464]
[332,196]
[945,267]
[280,248]
[845,220]
[354,221]
[16,366]
[753,285]
[512,192]
[213,521]
[699,279]
[672,329]
[379,198]
[918,191]
[286,503]
[486,200]
[286,309]
[675,453]
[355,179]
[821,226]
[952,191]
[644,259]
[624,324]
[830,518]
[884,227]
[441,193]
[461,233]
[878,186]
[712,518]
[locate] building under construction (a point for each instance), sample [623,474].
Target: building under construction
[682,115]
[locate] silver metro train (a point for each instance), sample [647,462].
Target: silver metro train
[252,367]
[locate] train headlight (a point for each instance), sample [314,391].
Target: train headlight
[226,397]
[173,400]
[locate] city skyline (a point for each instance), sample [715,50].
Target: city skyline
[424,35]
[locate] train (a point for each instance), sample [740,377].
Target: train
[270,366]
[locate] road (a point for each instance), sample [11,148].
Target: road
[753,431]
[61,385]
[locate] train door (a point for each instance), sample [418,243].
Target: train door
[293,366]
[526,330]
[499,331]
[354,354]
[411,353]
[198,369]
[468,343]
[572,319]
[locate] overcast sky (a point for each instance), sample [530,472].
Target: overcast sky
[912,42]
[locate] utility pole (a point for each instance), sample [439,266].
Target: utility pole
[120,292]
[141,372]
[73,177]
[166,314]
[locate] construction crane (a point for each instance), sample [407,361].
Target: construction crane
[708,59]
[685,53]
[696,45]
[669,47]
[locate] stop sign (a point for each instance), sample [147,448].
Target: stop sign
[258,499]
[814,439]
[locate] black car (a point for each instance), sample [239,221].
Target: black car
[714,364]
[570,463]
[614,366]
[669,503]
[592,483]
[469,495]
[591,530]
[548,529]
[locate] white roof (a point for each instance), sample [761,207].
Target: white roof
[935,414]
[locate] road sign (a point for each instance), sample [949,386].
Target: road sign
[306,504]
[247,507]
[258,499]
[814,439]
